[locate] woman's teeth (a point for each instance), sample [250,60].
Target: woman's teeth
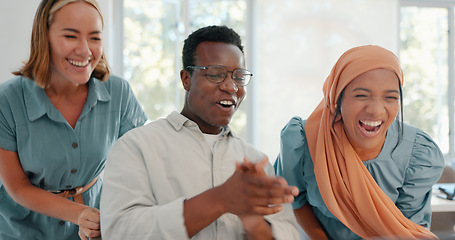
[371,124]
[79,63]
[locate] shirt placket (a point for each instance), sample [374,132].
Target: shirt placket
[217,167]
[75,157]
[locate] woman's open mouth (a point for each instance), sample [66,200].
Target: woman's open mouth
[370,127]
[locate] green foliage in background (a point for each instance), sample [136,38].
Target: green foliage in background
[423,55]
[154,34]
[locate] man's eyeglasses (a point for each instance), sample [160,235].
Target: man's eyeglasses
[217,74]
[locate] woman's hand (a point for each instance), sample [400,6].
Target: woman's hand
[89,223]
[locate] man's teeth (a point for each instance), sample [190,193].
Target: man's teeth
[226,102]
[79,63]
[372,124]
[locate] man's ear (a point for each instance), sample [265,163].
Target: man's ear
[185,77]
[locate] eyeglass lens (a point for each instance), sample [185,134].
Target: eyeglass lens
[218,74]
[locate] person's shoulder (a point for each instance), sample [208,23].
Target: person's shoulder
[425,140]
[295,123]
[115,86]
[416,135]
[14,86]
[14,82]
[424,147]
[413,135]
[116,79]
[294,129]
[116,82]
[297,120]
[151,130]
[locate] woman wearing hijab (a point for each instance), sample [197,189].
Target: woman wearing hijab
[361,172]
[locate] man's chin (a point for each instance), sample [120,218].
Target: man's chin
[223,122]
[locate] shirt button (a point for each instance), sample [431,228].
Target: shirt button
[61,223]
[73,170]
[69,186]
[75,145]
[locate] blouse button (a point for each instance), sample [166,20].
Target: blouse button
[61,223]
[69,186]
[73,170]
[75,145]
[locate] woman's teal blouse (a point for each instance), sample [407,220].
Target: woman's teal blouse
[405,172]
[53,154]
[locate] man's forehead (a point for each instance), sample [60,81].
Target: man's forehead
[216,53]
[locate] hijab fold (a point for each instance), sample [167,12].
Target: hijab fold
[347,188]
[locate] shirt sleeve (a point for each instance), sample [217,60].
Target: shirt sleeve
[289,163]
[284,225]
[135,213]
[425,168]
[7,129]
[8,102]
[132,114]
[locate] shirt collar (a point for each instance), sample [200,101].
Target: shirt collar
[34,98]
[97,92]
[178,121]
[37,102]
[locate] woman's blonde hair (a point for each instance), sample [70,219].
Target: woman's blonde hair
[38,66]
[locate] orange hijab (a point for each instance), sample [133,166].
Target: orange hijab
[347,188]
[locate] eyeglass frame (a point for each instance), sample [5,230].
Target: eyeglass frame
[227,71]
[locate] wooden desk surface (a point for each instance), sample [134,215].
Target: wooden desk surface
[442,205]
[439,204]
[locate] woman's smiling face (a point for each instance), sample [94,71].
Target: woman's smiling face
[370,104]
[75,37]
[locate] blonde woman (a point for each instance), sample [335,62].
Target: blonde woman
[58,119]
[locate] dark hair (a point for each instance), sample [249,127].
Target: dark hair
[400,117]
[207,34]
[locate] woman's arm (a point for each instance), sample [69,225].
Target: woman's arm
[309,223]
[21,190]
[424,168]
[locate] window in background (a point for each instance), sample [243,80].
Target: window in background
[298,42]
[426,54]
[151,52]
[291,46]
[154,31]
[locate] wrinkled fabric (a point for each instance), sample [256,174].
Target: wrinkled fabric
[405,172]
[53,154]
[168,161]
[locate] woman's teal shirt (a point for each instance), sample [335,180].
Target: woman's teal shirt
[405,172]
[53,154]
